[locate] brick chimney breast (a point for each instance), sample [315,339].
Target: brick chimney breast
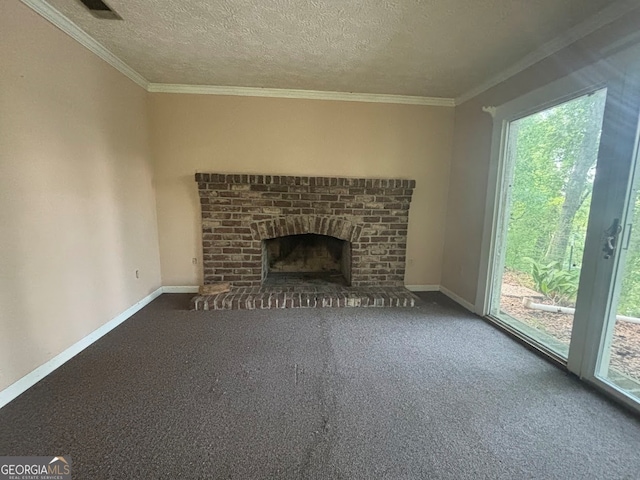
[241,211]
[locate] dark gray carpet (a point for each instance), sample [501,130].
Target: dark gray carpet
[430,392]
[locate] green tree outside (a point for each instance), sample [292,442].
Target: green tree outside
[555,158]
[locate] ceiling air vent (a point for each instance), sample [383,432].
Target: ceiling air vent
[99,9]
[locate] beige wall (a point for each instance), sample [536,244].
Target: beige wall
[297,137]
[472,150]
[77,212]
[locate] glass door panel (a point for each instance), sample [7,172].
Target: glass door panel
[549,171]
[620,356]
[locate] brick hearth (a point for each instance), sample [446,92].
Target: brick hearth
[239,212]
[250,298]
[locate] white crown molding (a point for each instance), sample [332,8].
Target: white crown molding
[303,94]
[606,16]
[490,110]
[74,31]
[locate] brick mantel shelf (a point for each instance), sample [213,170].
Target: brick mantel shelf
[239,212]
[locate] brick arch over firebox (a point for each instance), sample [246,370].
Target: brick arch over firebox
[301,224]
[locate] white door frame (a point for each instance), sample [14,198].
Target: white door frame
[619,146]
[555,93]
[620,74]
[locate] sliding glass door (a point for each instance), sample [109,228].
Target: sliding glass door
[619,362]
[561,254]
[550,168]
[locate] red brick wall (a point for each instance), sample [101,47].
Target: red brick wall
[240,211]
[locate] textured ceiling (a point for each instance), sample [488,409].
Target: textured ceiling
[437,48]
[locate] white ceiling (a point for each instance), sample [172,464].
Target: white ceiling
[432,48]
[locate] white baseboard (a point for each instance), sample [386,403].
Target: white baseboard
[422,288]
[458,299]
[439,288]
[180,289]
[30,379]
[20,386]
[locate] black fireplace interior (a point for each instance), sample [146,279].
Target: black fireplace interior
[307,258]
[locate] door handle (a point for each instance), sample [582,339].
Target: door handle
[611,238]
[627,239]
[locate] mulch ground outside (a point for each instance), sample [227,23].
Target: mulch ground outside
[625,351]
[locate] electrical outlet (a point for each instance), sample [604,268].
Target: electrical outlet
[194,260]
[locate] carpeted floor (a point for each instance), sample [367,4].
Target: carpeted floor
[429,392]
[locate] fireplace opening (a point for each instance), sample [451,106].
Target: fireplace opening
[306,259]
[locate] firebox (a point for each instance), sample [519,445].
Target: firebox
[306,258]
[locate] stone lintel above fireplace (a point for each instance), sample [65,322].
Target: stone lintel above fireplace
[240,212]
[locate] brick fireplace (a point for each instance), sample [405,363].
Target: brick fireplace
[243,214]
